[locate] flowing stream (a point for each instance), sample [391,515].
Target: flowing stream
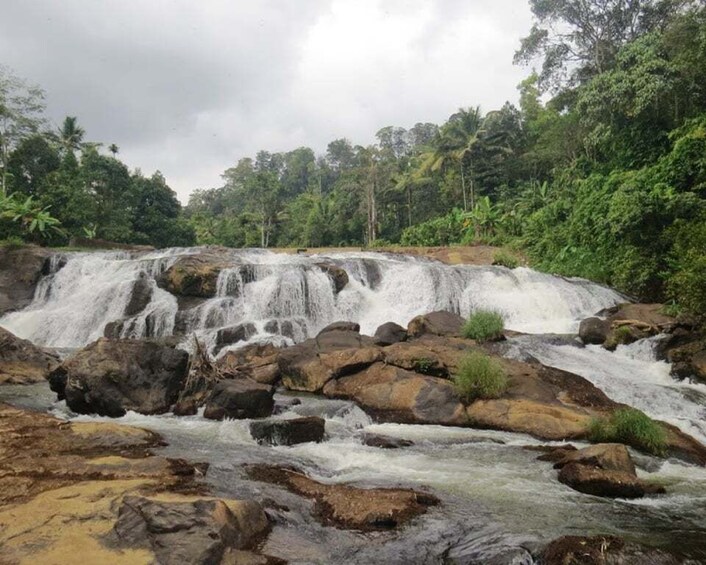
[498,504]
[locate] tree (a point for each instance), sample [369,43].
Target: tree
[114,149]
[71,134]
[21,109]
[579,39]
[30,164]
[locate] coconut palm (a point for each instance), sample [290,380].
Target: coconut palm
[71,134]
[113,149]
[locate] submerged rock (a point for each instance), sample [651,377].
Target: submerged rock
[385,442]
[239,398]
[22,362]
[110,377]
[349,507]
[289,432]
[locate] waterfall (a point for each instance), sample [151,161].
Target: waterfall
[287,298]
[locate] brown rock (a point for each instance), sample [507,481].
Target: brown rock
[338,275]
[601,482]
[392,394]
[289,432]
[22,362]
[594,330]
[349,507]
[239,398]
[607,456]
[257,361]
[436,323]
[341,326]
[194,275]
[603,550]
[389,333]
[20,270]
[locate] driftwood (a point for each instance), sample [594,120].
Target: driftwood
[203,374]
[644,326]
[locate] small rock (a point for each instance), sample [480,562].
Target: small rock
[341,326]
[601,482]
[436,323]
[239,398]
[594,330]
[390,333]
[385,442]
[288,432]
[337,274]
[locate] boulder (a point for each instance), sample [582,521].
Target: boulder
[233,334]
[194,275]
[601,482]
[22,362]
[389,333]
[436,323]
[689,360]
[257,361]
[288,432]
[391,394]
[341,326]
[239,398]
[604,550]
[140,295]
[385,442]
[195,531]
[644,314]
[594,330]
[20,270]
[607,456]
[344,506]
[338,275]
[110,377]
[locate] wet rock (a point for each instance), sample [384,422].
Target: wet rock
[341,326]
[385,442]
[338,275]
[20,270]
[140,295]
[603,550]
[288,432]
[110,377]
[233,334]
[647,315]
[689,360]
[196,531]
[436,323]
[256,361]
[349,507]
[194,275]
[601,482]
[239,398]
[607,456]
[284,328]
[423,357]
[594,330]
[22,362]
[391,394]
[389,333]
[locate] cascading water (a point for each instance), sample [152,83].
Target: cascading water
[290,297]
[498,502]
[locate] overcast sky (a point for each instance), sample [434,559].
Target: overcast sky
[189,87]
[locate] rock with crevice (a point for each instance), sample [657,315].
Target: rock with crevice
[22,362]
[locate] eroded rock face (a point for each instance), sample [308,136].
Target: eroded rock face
[349,507]
[239,398]
[194,531]
[20,270]
[22,362]
[289,432]
[110,377]
[436,323]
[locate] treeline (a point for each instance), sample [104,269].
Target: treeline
[600,172]
[57,186]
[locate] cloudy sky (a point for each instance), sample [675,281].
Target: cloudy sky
[189,87]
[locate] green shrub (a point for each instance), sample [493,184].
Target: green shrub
[505,259]
[12,242]
[479,376]
[484,325]
[631,427]
[423,365]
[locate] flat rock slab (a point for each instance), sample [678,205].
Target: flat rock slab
[348,507]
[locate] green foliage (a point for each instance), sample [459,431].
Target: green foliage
[30,216]
[479,376]
[423,365]
[484,325]
[505,259]
[631,427]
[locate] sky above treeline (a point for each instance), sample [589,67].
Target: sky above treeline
[188,87]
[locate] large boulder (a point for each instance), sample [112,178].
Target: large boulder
[194,531]
[594,330]
[239,398]
[389,333]
[257,361]
[22,362]
[288,432]
[601,482]
[20,270]
[436,323]
[391,394]
[110,377]
[194,275]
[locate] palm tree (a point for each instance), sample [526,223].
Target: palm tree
[71,134]
[113,149]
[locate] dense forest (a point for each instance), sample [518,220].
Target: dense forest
[600,172]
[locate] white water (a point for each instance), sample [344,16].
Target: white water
[287,297]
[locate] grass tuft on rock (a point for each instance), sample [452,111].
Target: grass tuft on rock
[479,376]
[484,325]
[631,427]
[505,259]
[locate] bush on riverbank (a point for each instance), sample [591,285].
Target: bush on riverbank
[484,325]
[479,376]
[631,427]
